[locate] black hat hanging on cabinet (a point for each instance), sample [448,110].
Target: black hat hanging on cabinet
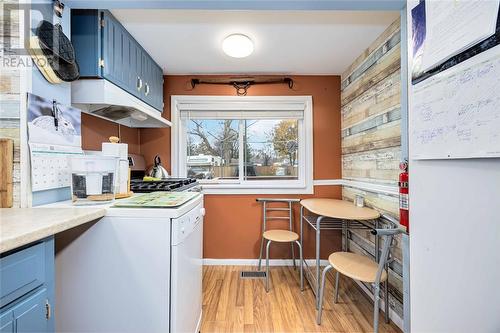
[53,52]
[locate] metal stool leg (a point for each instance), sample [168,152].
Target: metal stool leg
[267,265]
[336,298]
[321,292]
[301,266]
[386,299]
[264,220]
[261,248]
[290,219]
[376,306]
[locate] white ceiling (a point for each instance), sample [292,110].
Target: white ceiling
[286,42]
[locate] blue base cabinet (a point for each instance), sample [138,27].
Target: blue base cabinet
[105,49]
[27,288]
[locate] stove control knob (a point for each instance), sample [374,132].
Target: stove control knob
[202,211]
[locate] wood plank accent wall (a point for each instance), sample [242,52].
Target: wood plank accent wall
[371,139]
[10,93]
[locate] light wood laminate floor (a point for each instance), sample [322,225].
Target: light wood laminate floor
[232,304]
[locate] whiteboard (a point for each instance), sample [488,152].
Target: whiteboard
[456,113]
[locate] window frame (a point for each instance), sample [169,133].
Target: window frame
[304,183]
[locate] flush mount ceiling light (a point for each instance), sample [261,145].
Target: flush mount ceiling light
[237,46]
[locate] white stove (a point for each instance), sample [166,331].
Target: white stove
[135,270]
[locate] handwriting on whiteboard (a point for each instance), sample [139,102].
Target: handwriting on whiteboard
[456,114]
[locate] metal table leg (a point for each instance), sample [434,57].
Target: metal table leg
[386,296]
[344,235]
[302,230]
[263,229]
[318,258]
[290,214]
[386,284]
[348,225]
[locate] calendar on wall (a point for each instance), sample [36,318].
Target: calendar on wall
[54,135]
[50,166]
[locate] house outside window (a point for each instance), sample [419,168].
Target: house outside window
[244,144]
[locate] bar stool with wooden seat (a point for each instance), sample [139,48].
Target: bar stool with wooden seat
[361,268]
[279,235]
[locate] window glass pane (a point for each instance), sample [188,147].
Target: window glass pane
[271,149]
[212,149]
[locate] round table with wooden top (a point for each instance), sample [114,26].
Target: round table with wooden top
[339,209]
[332,214]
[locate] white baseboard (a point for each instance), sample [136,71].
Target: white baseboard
[255,262]
[328,182]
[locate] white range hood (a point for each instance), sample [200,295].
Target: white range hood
[103,99]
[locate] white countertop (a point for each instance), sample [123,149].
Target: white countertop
[21,226]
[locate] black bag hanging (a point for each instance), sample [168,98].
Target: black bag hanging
[58,50]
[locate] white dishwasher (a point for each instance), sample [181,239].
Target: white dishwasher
[135,270]
[187,265]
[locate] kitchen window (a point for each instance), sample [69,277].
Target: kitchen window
[244,144]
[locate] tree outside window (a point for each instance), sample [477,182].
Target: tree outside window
[270,148]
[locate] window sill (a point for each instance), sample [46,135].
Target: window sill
[255,189]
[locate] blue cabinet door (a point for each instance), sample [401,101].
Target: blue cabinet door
[144,75]
[22,272]
[86,39]
[135,80]
[147,73]
[158,88]
[31,315]
[116,58]
[154,90]
[7,322]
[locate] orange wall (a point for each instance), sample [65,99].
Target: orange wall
[232,223]
[96,130]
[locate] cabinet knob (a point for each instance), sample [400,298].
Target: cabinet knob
[146,89]
[139,83]
[47,310]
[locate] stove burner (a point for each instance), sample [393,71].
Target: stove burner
[171,184]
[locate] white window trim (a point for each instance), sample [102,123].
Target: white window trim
[178,153]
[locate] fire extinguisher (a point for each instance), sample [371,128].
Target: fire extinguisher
[403,196]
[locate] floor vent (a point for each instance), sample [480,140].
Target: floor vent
[252,275]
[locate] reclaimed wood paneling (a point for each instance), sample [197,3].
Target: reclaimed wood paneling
[10,93]
[371,141]
[382,202]
[383,136]
[385,66]
[390,31]
[384,96]
[380,165]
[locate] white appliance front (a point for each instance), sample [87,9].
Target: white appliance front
[115,274]
[187,265]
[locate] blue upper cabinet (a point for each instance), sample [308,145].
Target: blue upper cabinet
[105,49]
